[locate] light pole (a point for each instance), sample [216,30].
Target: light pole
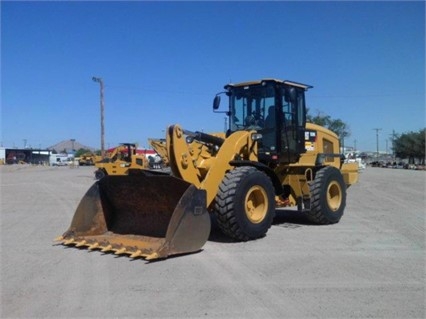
[72,142]
[393,144]
[101,82]
[377,141]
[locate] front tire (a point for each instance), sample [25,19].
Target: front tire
[245,204]
[99,174]
[328,197]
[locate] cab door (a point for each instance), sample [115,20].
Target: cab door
[292,125]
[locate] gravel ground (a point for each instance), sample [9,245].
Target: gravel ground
[370,265]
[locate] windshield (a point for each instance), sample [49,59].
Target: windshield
[249,106]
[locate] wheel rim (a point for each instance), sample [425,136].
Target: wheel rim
[256,204]
[334,196]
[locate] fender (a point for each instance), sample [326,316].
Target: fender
[262,167]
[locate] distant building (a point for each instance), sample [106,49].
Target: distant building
[24,156]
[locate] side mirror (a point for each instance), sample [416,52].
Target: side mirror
[216,102]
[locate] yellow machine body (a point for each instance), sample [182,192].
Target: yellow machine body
[159,146]
[120,160]
[236,176]
[88,159]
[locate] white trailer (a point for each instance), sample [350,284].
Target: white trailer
[60,159]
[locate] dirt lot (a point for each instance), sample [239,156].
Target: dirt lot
[370,265]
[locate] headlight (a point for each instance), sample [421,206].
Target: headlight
[256,136]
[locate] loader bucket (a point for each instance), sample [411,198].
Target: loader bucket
[141,215]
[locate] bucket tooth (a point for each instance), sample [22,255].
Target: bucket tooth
[93,246]
[137,253]
[81,243]
[120,251]
[69,241]
[152,256]
[59,238]
[106,248]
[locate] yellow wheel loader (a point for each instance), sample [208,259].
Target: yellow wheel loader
[120,161]
[87,159]
[159,146]
[269,157]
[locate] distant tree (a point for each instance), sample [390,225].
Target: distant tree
[318,119]
[335,125]
[411,145]
[81,151]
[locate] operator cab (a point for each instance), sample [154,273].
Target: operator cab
[130,151]
[275,109]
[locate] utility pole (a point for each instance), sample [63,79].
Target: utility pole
[72,143]
[101,82]
[393,135]
[377,141]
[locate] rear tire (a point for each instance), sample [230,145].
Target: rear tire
[328,197]
[245,204]
[99,174]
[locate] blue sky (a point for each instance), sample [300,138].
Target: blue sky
[163,62]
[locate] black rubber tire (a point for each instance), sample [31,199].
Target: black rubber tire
[328,197]
[99,174]
[245,204]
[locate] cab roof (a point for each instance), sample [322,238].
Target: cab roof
[258,82]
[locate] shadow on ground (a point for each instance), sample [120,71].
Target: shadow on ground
[285,218]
